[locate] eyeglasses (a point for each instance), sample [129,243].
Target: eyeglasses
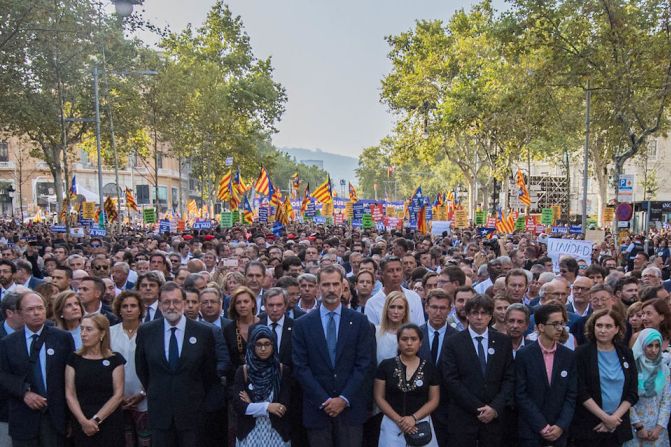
[558,325]
[101,267]
[266,345]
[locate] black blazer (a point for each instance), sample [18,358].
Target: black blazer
[24,423]
[176,397]
[297,313]
[285,345]
[541,403]
[109,314]
[589,386]
[468,389]
[232,344]
[246,424]
[440,414]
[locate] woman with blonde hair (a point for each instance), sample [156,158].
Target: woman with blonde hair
[94,383]
[67,314]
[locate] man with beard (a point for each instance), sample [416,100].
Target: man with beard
[333,354]
[457,318]
[7,272]
[626,290]
[177,377]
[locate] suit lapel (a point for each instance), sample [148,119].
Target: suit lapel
[159,341]
[287,330]
[471,351]
[538,353]
[188,344]
[318,330]
[343,331]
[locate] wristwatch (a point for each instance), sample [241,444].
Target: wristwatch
[638,428]
[96,419]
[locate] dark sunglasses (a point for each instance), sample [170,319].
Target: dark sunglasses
[100,267]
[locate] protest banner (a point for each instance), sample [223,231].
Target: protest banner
[569,247]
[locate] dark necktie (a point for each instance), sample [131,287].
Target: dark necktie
[173,352]
[481,354]
[37,377]
[434,347]
[331,337]
[277,338]
[147,318]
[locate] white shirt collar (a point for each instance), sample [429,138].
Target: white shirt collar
[279,322]
[181,324]
[432,329]
[484,335]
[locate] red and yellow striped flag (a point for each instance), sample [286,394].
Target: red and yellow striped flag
[130,201]
[523,193]
[323,193]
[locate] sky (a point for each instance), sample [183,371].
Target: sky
[330,56]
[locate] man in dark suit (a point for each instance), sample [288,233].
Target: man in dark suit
[477,368]
[119,273]
[10,322]
[32,372]
[436,331]
[24,275]
[546,383]
[333,353]
[290,286]
[90,293]
[148,285]
[177,377]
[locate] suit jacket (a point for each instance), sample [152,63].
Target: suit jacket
[320,380]
[34,282]
[109,314]
[24,423]
[285,344]
[468,388]
[541,403]
[4,397]
[440,414]
[296,312]
[176,397]
[589,386]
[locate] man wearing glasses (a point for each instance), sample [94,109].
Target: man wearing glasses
[100,268]
[546,382]
[477,368]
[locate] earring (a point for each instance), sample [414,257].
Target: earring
[62,316]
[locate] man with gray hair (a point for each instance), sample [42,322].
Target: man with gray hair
[120,273]
[307,283]
[651,277]
[24,275]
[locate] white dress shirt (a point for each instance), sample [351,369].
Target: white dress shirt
[43,352]
[485,341]
[278,330]
[375,304]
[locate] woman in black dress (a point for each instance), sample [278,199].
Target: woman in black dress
[407,390]
[94,382]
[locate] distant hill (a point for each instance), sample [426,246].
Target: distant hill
[339,166]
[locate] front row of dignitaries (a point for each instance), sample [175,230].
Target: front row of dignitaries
[333,356]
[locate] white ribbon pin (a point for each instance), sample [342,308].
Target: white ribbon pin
[563,373]
[626,365]
[193,340]
[419,382]
[50,351]
[490,351]
[106,363]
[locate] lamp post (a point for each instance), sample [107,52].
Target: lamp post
[124,8]
[10,193]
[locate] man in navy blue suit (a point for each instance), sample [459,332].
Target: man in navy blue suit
[546,384]
[32,372]
[333,354]
[436,331]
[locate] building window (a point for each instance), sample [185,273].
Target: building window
[159,159]
[175,198]
[4,151]
[142,194]
[652,150]
[163,195]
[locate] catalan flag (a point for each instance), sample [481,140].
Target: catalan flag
[110,209]
[73,188]
[449,197]
[289,210]
[235,191]
[505,224]
[276,198]
[523,192]
[306,199]
[422,226]
[281,215]
[192,207]
[295,184]
[130,200]
[352,193]
[263,183]
[323,193]
[247,213]
[224,192]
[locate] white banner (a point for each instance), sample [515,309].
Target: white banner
[569,247]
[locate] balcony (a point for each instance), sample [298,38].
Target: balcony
[7,165]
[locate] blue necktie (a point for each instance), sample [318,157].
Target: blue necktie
[481,354]
[173,352]
[37,377]
[434,347]
[147,318]
[331,337]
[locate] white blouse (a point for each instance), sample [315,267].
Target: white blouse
[126,347]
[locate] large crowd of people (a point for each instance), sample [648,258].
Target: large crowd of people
[331,336]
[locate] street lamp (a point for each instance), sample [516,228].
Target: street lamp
[10,193]
[124,8]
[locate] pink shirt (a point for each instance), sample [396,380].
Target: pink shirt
[548,358]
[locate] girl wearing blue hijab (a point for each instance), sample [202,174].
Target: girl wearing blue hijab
[650,415]
[261,393]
